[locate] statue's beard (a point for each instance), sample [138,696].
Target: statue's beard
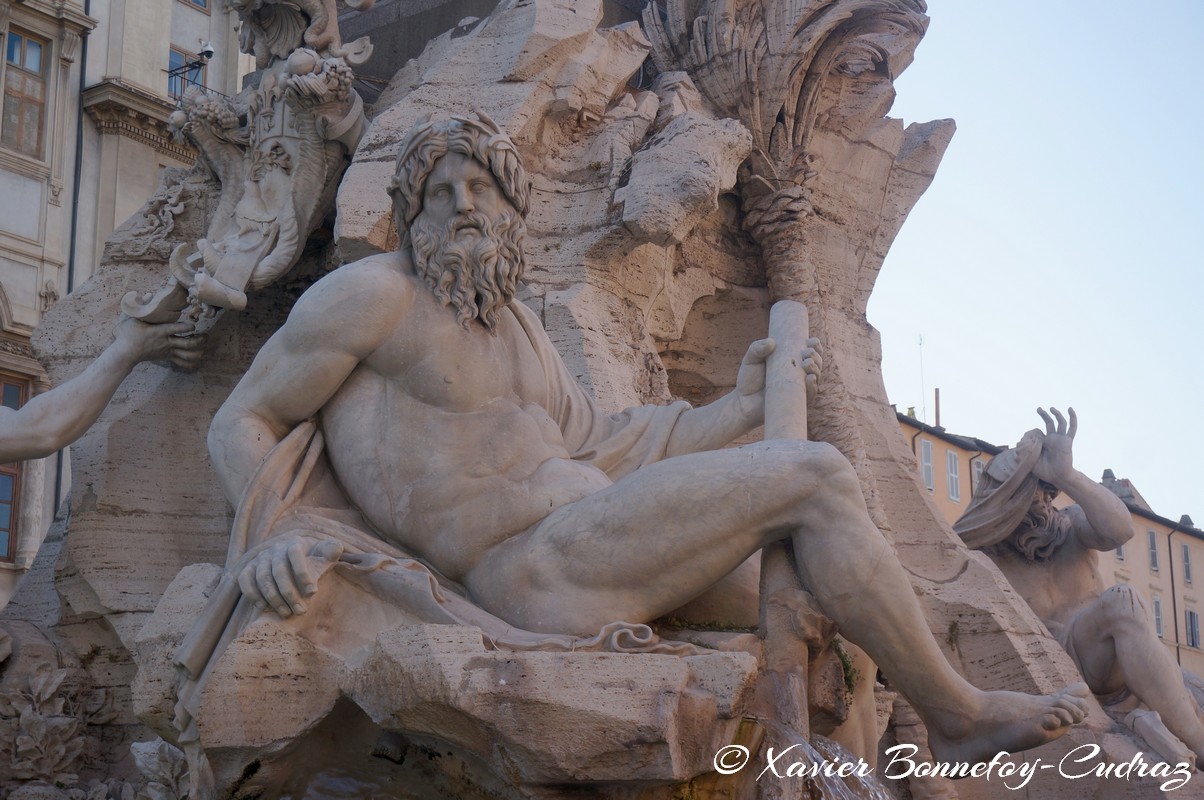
[472,264]
[1042,532]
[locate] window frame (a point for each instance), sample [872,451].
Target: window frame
[15,470]
[185,82]
[977,468]
[202,5]
[1186,551]
[1192,622]
[953,478]
[1152,538]
[1120,552]
[1159,627]
[927,471]
[46,44]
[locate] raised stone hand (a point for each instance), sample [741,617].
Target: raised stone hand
[287,571]
[1056,464]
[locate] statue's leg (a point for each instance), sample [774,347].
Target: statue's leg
[662,535]
[1116,646]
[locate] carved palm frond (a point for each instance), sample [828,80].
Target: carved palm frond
[763,61]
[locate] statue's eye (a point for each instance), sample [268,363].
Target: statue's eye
[479,186]
[440,191]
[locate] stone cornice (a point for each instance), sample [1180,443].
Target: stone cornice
[118,108]
[16,346]
[71,13]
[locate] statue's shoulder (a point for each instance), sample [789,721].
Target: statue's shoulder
[368,294]
[377,278]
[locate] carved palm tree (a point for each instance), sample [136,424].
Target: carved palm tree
[765,63]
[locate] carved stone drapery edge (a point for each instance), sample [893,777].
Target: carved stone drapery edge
[120,109]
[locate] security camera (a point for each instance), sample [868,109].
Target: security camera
[207,51]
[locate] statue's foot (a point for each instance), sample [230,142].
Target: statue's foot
[1005,721]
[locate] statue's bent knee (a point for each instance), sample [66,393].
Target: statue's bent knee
[1124,603]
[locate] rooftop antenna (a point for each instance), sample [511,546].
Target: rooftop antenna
[923,388]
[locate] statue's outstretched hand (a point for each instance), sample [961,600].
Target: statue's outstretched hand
[286,572]
[175,341]
[1056,463]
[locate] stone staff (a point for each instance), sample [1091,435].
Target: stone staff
[786,653]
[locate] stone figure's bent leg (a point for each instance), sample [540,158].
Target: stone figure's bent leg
[1115,646]
[655,539]
[659,537]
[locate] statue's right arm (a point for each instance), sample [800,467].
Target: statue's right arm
[58,417]
[337,324]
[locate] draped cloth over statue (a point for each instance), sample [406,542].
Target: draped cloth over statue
[1003,496]
[294,492]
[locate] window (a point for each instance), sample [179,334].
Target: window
[978,467]
[1193,628]
[178,81]
[1120,552]
[1186,563]
[1153,540]
[24,119]
[952,477]
[13,393]
[926,464]
[1158,615]
[201,4]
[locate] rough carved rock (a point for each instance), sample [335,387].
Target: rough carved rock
[531,717]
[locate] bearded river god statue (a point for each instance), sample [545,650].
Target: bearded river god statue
[462,480]
[409,449]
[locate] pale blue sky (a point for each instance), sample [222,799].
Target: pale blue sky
[1056,259]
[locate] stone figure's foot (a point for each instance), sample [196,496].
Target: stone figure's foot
[1008,721]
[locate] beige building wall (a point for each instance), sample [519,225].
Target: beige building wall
[57,210]
[948,464]
[128,143]
[40,72]
[1162,560]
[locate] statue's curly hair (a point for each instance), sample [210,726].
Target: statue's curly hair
[430,140]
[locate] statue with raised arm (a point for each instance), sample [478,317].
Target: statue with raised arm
[459,437]
[1049,556]
[56,418]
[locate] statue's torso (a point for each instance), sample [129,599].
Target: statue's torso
[441,438]
[1058,587]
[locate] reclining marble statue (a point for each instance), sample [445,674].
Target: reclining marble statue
[1049,556]
[460,440]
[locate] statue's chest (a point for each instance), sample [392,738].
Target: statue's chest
[455,369]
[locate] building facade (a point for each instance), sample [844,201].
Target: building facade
[43,62]
[1158,561]
[88,88]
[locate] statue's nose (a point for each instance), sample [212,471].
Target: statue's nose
[463,199]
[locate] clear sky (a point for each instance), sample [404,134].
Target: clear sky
[1056,258]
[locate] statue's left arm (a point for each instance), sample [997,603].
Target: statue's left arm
[1100,519]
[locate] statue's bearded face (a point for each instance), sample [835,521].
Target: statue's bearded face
[1044,528]
[467,240]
